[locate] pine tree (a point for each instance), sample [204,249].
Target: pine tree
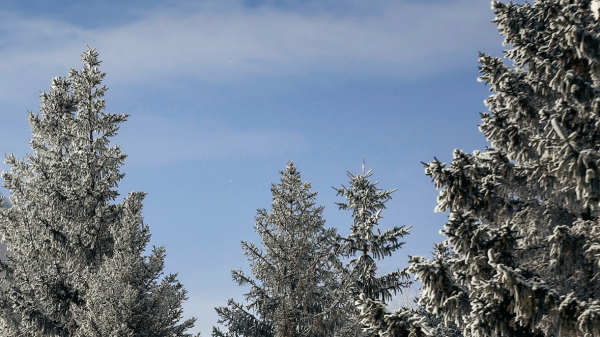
[294,287]
[76,267]
[523,219]
[369,292]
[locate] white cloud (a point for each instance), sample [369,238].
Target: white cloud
[404,40]
[230,45]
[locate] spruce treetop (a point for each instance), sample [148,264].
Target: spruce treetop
[294,286]
[76,267]
[368,292]
[367,201]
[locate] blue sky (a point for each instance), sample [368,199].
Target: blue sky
[221,94]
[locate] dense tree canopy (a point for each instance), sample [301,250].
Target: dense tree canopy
[523,217]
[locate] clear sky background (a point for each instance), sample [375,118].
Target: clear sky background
[222,94]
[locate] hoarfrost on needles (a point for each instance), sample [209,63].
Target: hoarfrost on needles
[523,223]
[77,267]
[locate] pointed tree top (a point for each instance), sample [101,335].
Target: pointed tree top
[90,57]
[363,167]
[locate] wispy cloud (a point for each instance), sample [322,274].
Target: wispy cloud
[207,42]
[155,140]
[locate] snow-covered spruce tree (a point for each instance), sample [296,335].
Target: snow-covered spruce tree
[76,267]
[370,292]
[294,287]
[523,217]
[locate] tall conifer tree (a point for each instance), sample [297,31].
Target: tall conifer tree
[523,217]
[76,267]
[366,201]
[370,292]
[294,287]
